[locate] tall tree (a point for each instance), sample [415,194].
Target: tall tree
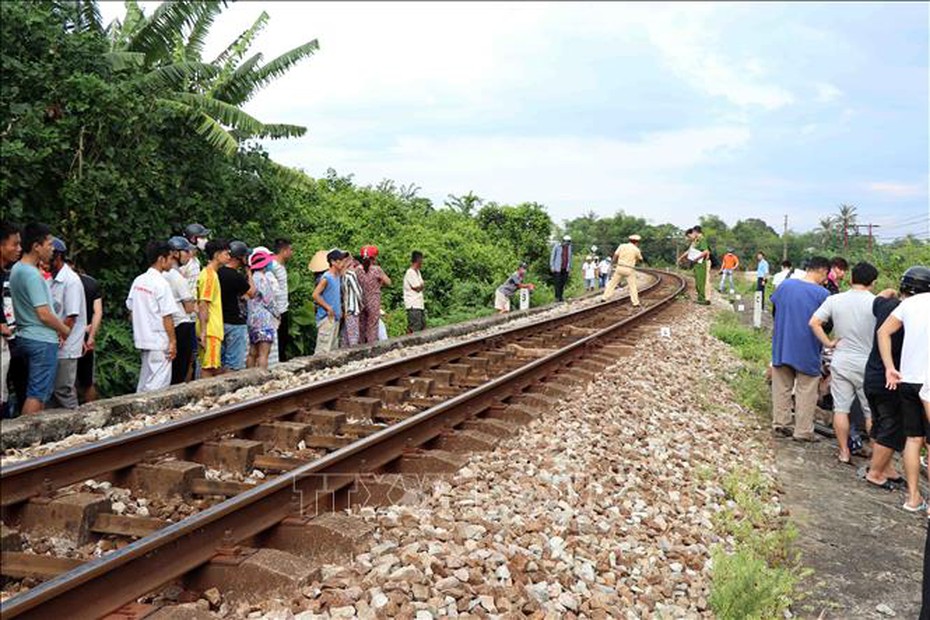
[168,46]
[846,219]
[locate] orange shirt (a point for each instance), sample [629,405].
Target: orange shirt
[729,261]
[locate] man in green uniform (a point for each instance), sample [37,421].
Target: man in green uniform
[699,255]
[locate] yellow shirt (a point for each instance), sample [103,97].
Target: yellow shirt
[208,289]
[628,255]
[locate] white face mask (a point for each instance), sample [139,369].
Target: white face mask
[201,243]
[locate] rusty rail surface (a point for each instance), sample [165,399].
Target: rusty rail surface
[104,584]
[26,479]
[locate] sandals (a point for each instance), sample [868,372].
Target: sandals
[890,484]
[920,508]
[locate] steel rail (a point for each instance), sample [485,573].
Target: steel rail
[20,481]
[104,584]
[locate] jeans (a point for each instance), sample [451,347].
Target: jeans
[42,358]
[726,274]
[235,346]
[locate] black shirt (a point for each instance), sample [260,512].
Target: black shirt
[874,380]
[91,294]
[233,285]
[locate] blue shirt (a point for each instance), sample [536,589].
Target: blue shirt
[332,295]
[762,271]
[793,341]
[29,291]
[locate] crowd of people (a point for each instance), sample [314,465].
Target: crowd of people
[188,320]
[877,350]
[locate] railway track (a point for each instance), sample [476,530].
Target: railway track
[413,415]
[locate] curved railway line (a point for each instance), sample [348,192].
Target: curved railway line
[411,415]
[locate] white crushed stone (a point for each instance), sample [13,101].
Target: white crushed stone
[604,506]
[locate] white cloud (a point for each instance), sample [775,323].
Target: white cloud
[827,93]
[691,48]
[898,190]
[564,172]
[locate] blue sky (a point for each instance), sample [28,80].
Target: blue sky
[662,110]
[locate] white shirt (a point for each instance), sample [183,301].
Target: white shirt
[191,272]
[181,292]
[150,300]
[604,266]
[780,277]
[589,269]
[413,300]
[280,293]
[914,313]
[68,300]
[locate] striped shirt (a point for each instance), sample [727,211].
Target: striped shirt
[351,293]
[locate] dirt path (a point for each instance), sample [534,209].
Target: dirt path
[866,552]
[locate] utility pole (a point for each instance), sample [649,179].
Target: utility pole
[784,240]
[870,227]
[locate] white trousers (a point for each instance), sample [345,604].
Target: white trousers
[155,373]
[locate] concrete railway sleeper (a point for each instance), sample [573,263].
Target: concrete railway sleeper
[402,419]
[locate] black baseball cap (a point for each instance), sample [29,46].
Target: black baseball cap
[335,254]
[238,249]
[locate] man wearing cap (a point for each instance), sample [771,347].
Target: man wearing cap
[560,263]
[235,290]
[183,317]
[328,298]
[624,266]
[506,290]
[197,235]
[71,307]
[210,309]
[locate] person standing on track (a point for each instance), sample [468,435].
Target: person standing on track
[236,289]
[624,267]
[151,306]
[560,264]
[796,352]
[86,370]
[185,299]
[505,291]
[39,331]
[913,315]
[371,278]
[852,334]
[283,253]
[71,307]
[413,294]
[762,275]
[328,298]
[728,265]
[589,273]
[603,272]
[210,309]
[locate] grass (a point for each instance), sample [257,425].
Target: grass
[754,347]
[758,576]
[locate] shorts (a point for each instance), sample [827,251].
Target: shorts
[42,360]
[501,302]
[235,346]
[845,387]
[262,334]
[210,356]
[416,319]
[913,416]
[887,429]
[86,370]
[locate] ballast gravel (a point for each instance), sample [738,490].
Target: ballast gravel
[13,455]
[603,507]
